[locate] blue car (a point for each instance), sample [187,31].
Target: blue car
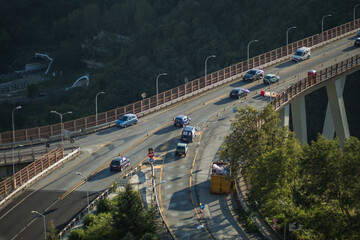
[181,121]
[127,120]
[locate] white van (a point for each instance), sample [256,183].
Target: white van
[301,54]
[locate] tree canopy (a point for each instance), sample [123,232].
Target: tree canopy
[137,40]
[314,185]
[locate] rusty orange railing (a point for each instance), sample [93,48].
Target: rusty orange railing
[140,107]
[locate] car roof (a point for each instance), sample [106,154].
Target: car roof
[188,128]
[119,158]
[130,114]
[182,145]
[270,75]
[181,116]
[303,48]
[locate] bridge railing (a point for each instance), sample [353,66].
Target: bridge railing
[191,88]
[30,171]
[310,81]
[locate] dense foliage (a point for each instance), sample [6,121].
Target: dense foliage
[124,217]
[316,186]
[137,40]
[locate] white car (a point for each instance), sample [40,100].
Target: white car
[301,54]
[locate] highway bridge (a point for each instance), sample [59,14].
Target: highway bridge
[183,183]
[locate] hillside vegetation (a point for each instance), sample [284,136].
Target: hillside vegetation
[135,40]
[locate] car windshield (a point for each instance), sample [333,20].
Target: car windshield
[123,118]
[178,119]
[235,91]
[252,72]
[268,77]
[180,148]
[115,162]
[299,53]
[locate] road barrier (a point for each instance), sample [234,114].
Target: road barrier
[310,81]
[30,171]
[189,89]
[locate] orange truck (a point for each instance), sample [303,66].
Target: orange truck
[220,178]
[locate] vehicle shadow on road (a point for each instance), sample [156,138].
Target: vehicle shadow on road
[166,130]
[107,131]
[286,64]
[348,49]
[224,101]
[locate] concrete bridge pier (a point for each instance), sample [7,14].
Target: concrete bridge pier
[298,114]
[336,119]
[284,115]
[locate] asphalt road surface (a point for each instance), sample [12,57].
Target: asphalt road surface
[55,195]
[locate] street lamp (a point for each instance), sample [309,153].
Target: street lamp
[322,25]
[248,51]
[354,12]
[157,86]
[206,64]
[13,135]
[287,38]
[87,191]
[96,106]
[61,124]
[36,212]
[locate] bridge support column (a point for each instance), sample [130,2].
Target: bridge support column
[329,128]
[284,115]
[334,91]
[298,113]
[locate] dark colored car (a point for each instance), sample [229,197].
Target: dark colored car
[271,78]
[357,42]
[181,121]
[238,93]
[119,163]
[253,75]
[188,133]
[181,149]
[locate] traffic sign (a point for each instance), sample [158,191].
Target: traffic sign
[151,160]
[150,153]
[274,220]
[234,109]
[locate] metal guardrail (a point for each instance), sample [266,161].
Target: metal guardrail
[151,104]
[311,81]
[25,174]
[158,205]
[92,204]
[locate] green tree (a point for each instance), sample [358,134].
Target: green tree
[52,233]
[130,216]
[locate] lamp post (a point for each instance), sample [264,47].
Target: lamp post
[354,12]
[269,87]
[157,86]
[61,124]
[13,135]
[284,218]
[248,51]
[36,212]
[212,56]
[322,25]
[87,191]
[287,38]
[96,110]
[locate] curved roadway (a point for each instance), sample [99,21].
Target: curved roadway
[185,182]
